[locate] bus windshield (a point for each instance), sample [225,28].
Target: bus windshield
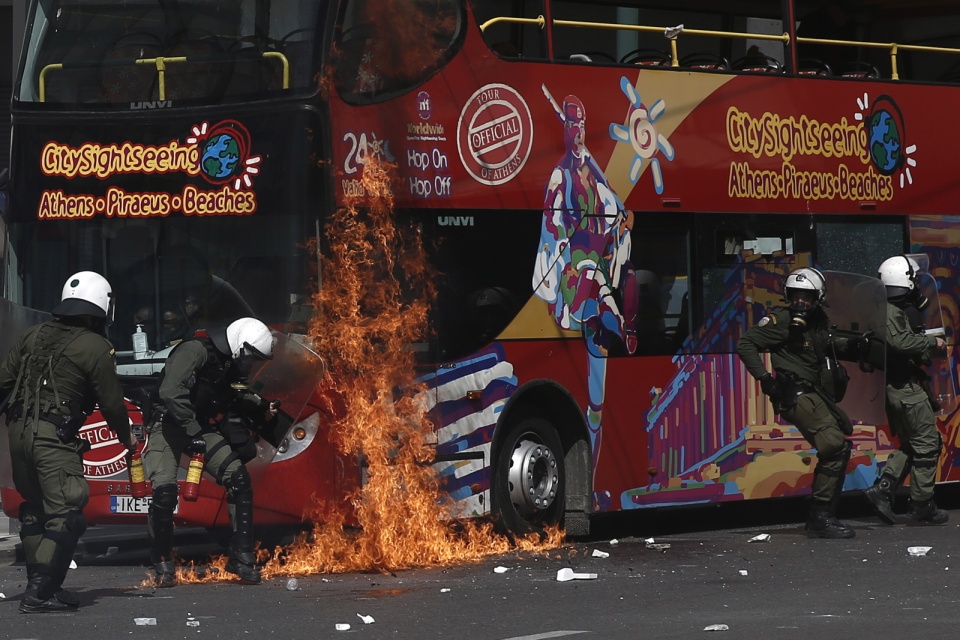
[203,51]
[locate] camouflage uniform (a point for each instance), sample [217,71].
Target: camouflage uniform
[56,372]
[802,399]
[912,420]
[199,383]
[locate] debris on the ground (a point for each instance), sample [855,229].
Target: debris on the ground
[717,627]
[600,554]
[763,537]
[918,551]
[566,574]
[366,619]
[145,622]
[500,569]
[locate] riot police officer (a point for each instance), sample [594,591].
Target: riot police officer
[909,409]
[803,390]
[53,376]
[199,399]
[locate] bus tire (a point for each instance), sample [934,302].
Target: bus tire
[528,479]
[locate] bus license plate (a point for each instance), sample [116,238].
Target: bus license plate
[129,504]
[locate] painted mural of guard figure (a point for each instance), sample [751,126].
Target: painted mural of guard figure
[910,411]
[201,405]
[805,389]
[54,376]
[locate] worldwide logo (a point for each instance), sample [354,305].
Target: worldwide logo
[886,138]
[225,153]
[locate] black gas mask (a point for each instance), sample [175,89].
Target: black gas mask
[802,303]
[916,299]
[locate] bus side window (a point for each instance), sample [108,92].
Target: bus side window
[660,258]
[741,262]
[876,241]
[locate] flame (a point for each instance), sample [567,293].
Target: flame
[365,321]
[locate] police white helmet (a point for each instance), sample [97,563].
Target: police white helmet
[805,288]
[86,293]
[250,337]
[899,275]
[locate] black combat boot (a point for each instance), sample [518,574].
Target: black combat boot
[926,512]
[161,536]
[43,596]
[164,574]
[880,496]
[242,560]
[821,523]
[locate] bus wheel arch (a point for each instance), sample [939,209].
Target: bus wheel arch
[541,469]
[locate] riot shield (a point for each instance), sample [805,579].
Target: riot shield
[857,309]
[940,367]
[292,377]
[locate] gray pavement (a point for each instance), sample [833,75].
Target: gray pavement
[789,588]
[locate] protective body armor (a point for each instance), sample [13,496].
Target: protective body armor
[210,391]
[50,386]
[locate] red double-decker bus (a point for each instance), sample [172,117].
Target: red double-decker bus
[609,193]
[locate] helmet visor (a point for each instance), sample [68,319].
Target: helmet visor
[801,299]
[252,351]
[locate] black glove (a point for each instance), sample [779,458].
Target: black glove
[197,446]
[770,386]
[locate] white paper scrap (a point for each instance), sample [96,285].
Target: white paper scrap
[600,554]
[918,551]
[500,569]
[340,626]
[145,622]
[717,627]
[366,619]
[566,574]
[763,537]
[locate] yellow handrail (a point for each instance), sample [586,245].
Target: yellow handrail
[674,62]
[284,63]
[161,63]
[894,47]
[43,79]
[540,21]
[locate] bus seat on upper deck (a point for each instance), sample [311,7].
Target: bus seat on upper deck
[813,67]
[707,61]
[859,69]
[592,56]
[647,58]
[757,62]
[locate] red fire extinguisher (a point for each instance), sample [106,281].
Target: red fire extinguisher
[191,488]
[138,480]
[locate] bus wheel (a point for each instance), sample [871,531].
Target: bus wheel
[528,479]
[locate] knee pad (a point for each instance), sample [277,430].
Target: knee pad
[841,454]
[165,498]
[239,483]
[76,523]
[32,519]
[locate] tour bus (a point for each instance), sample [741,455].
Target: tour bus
[609,194]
